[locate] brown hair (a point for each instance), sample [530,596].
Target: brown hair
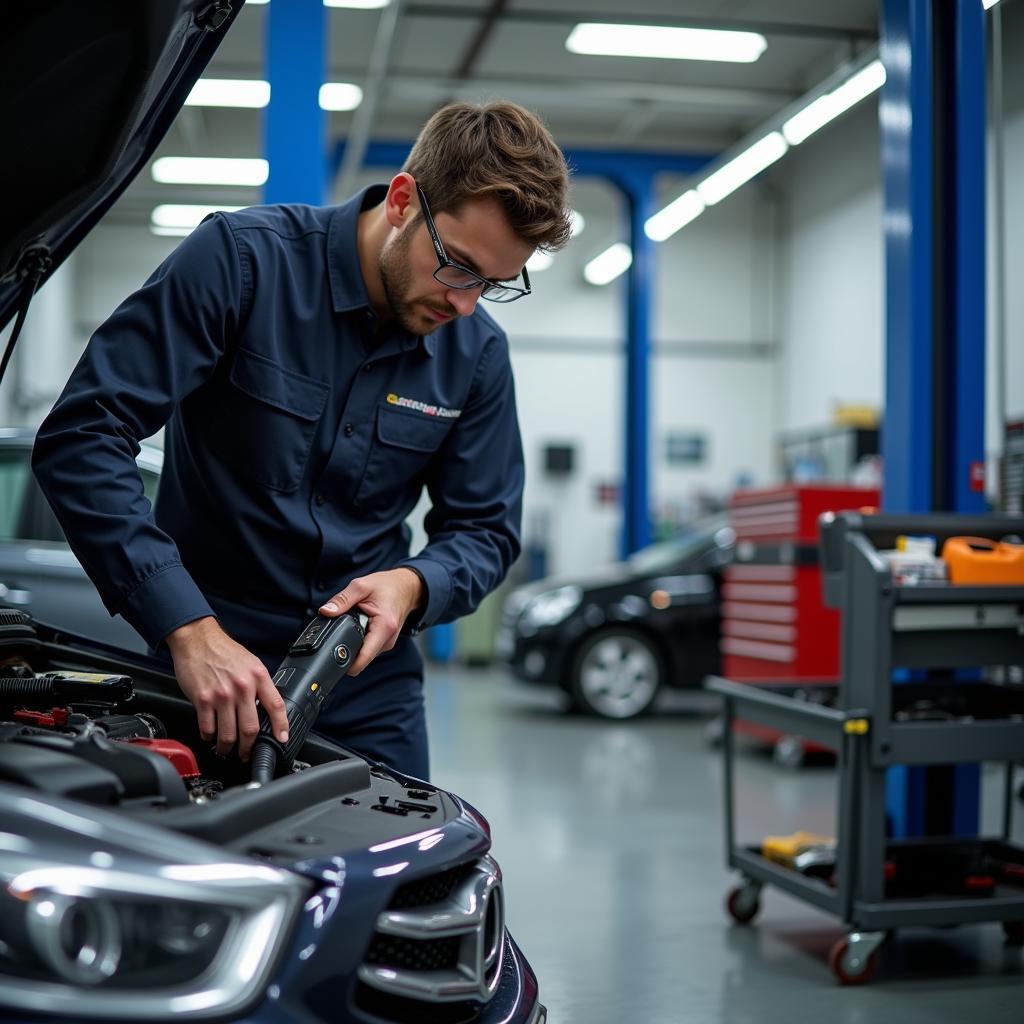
[499,150]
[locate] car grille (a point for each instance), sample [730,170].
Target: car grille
[432,889]
[414,954]
[441,942]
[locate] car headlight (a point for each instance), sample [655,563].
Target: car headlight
[550,608]
[115,920]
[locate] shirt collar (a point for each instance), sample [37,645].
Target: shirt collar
[348,290]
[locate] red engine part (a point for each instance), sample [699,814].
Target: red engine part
[54,718]
[178,754]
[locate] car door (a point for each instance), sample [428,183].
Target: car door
[38,572]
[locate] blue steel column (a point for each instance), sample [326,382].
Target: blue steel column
[905,115]
[967,390]
[636,516]
[295,128]
[933,162]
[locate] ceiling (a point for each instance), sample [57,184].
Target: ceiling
[514,49]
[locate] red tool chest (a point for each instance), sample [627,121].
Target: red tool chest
[775,626]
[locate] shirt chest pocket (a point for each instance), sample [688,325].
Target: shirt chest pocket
[266,421]
[402,445]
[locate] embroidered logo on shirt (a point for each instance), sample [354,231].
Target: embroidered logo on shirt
[430,410]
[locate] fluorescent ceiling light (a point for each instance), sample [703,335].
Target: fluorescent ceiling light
[539,261]
[181,218]
[196,170]
[738,171]
[989,3]
[340,96]
[578,222]
[608,265]
[229,92]
[825,108]
[665,223]
[663,41]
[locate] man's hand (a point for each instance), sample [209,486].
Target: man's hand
[387,599]
[222,680]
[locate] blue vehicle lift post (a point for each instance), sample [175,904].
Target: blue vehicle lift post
[294,126]
[933,166]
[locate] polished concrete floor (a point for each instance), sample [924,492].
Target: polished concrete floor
[610,838]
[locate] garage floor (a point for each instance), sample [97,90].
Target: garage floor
[610,840]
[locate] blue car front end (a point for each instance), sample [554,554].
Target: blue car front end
[133,888]
[109,918]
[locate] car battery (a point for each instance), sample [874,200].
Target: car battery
[775,626]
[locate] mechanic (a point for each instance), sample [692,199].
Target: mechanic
[315,369]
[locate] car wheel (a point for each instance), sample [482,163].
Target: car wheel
[616,674]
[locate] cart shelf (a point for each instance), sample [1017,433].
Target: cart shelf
[874,719]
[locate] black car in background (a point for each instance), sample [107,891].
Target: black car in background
[614,639]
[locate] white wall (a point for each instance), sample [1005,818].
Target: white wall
[832,301]
[710,374]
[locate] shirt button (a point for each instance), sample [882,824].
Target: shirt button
[320,499]
[367,366]
[349,430]
[321,584]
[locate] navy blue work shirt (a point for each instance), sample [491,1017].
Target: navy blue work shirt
[300,434]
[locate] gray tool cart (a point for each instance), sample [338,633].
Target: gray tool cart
[906,631]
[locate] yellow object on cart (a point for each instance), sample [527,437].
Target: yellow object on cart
[785,849]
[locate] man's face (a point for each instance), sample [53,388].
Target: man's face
[478,236]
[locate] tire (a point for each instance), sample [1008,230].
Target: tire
[741,905]
[847,972]
[616,674]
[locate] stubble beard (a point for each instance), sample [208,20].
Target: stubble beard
[396,278]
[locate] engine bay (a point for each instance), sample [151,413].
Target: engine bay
[112,730]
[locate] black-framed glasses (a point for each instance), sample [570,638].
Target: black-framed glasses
[455,275]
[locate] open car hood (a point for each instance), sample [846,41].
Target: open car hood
[87,91]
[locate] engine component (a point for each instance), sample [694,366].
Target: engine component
[306,678]
[88,766]
[67,688]
[132,727]
[184,761]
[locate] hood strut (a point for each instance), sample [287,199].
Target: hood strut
[32,265]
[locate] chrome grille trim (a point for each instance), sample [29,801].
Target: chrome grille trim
[475,914]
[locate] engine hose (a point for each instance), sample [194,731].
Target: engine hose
[11,687]
[264,762]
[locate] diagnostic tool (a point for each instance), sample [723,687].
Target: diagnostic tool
[315,664]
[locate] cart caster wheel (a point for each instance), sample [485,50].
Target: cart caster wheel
[1014,932]
[743,903]
[850,967]
[789,752]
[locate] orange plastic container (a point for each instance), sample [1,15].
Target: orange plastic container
[977,560]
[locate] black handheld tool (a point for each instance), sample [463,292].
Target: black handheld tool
[315,664]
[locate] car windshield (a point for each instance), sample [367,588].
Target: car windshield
[665,554]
